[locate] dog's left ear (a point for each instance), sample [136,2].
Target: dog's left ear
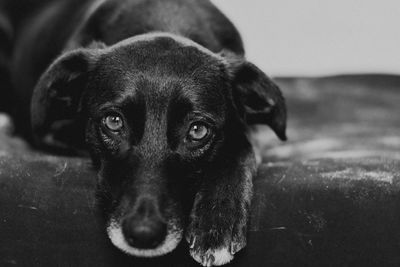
[258,99]
[56,99]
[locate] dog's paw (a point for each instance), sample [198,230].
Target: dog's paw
[212,257]
[215,247]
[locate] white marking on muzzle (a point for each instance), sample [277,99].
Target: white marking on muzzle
[174,236]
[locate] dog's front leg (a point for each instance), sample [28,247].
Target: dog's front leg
[218,223]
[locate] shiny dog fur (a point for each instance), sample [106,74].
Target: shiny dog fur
[161,65]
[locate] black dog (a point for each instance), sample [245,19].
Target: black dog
[160,94]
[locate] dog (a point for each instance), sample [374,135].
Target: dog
[160,94]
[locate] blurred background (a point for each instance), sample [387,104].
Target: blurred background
[313,37]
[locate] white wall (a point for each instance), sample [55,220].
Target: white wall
[314,37]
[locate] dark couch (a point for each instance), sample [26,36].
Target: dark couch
[327,197]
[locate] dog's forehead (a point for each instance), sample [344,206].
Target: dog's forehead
[162,53]
[150,39]
[163,94]
[160,66]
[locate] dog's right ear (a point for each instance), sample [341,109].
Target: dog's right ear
[258,99]
[57,96]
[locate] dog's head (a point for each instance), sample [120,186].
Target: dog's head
[155,111]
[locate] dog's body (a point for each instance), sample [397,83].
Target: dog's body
[159,92]
[43,29]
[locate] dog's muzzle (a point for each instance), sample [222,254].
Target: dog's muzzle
[144,232]
[145,229]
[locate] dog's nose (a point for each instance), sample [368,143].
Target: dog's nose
[144,229]
[144,234]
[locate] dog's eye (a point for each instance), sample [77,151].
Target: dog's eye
[198,131]
[113,122]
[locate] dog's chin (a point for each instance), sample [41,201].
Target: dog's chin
[174,236]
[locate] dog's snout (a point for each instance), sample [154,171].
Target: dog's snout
[145,228]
